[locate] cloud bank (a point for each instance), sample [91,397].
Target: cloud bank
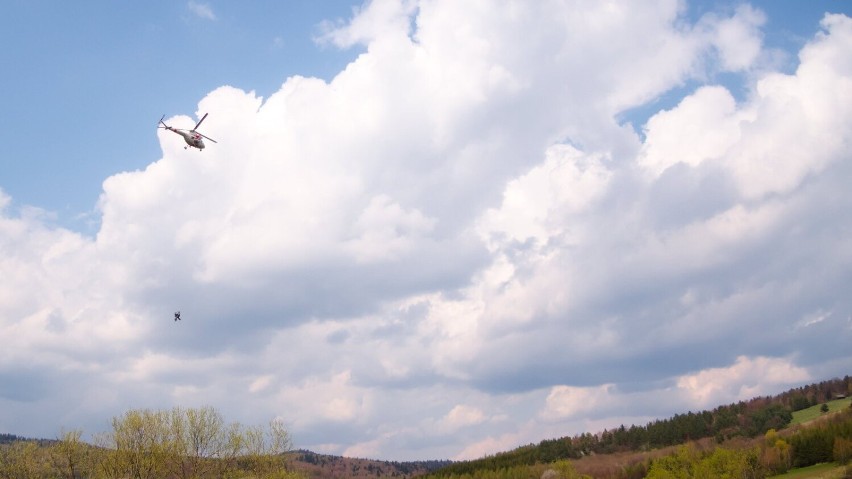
[456,246]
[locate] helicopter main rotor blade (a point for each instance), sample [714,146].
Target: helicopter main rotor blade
[199,121]
[211,139]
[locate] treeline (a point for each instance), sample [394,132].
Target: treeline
[828,440]
[557,470]
[819,393]
[144,444]
[11,438]
[406,467]
[741,419]
[746,418]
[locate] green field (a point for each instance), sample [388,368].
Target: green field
[820,471]
[813,412]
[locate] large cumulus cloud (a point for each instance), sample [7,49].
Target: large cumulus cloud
[455,246]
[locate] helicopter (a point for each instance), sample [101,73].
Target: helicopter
[191,137]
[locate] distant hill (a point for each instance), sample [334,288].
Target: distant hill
[325,466]
[743,421]
[10,438]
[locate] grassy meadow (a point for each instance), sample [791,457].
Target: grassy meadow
[819,471]
[813,412]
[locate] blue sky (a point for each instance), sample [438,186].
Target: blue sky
[429,229]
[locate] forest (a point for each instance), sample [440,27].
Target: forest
[760,416]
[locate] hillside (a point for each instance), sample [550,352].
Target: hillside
[804,416]
[738,424]
[324,466]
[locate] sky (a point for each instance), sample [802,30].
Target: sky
[428,229]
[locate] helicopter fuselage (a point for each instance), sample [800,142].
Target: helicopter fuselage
[191,138]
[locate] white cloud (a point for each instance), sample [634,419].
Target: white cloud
[488,446]
[384,231]
[798,128]
[704,126]
[738,38]
[565,184]
[378,21]
[330,398]
[201,10]
[569,402]
[460,416]
[745,379]
[813,318]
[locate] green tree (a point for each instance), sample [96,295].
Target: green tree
[191,444]
[22,460]
[799,402]
[264,449]
[688,463]
[199,443]
[675,466]
[562,469]
[138,445]
[71,456]
[729,464]
[812,446]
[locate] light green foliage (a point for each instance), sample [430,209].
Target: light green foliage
[562,469]
[141,442]
[191,444]
[71,457]
[199,443]
[23,460]
[566,470]
[688,463]
[676,466]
